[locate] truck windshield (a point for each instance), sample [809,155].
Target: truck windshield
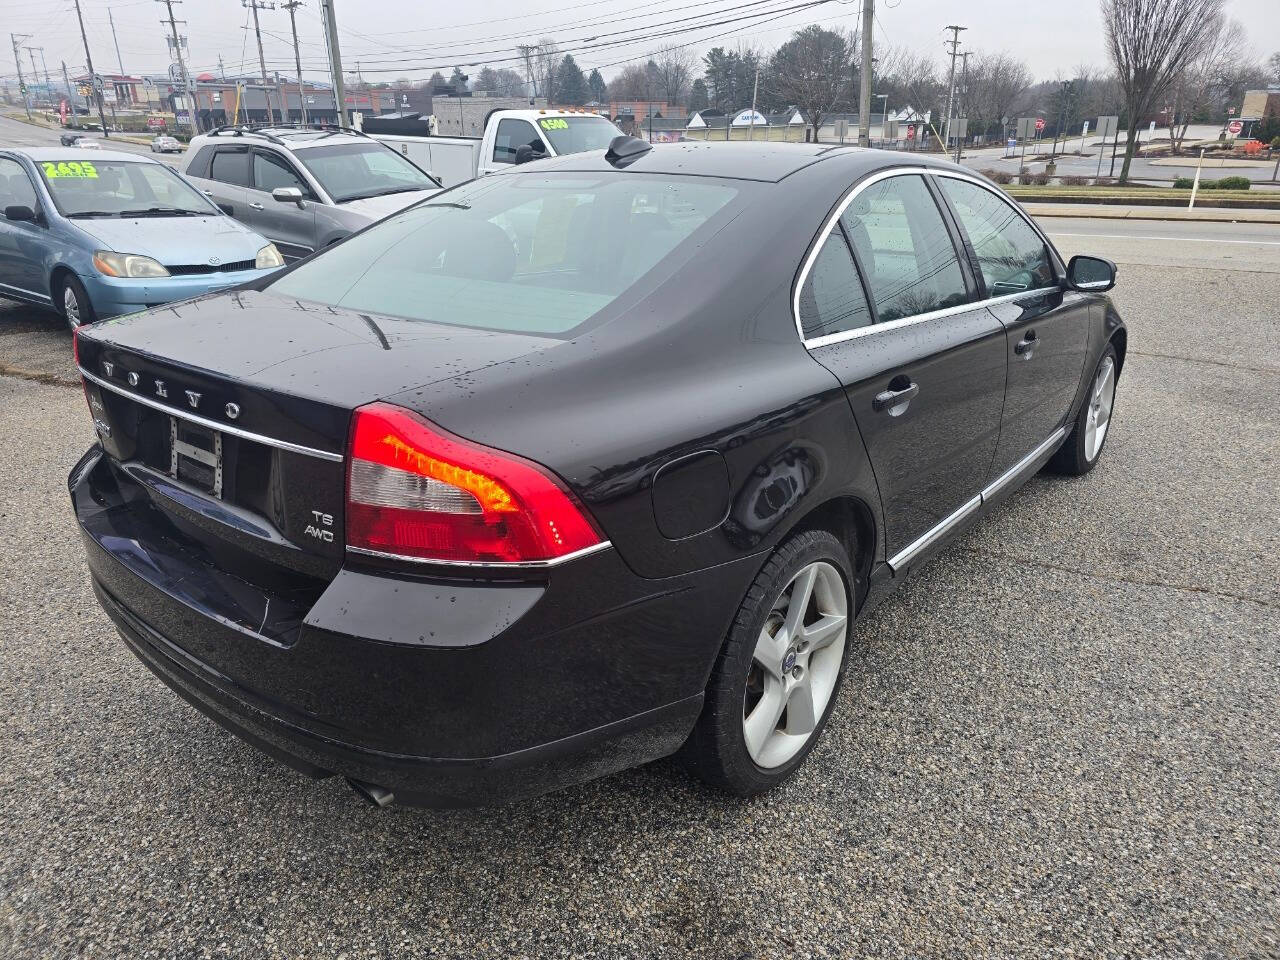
[121,188]
[353,171]
[533,253]
[578,134]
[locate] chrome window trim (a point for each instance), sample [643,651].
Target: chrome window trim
[833,218]
[951,520]
[496,565]
[213,424]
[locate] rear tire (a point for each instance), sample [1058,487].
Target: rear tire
[758,722]
[73,302]
[1083,447]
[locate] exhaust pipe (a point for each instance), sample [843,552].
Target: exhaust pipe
[376,795]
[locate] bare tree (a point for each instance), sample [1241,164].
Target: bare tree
[910,79]
[996,80]
[1150,43]
[674,74]
[814,71]
[1195,88]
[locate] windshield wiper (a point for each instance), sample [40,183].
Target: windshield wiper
[386,193]
[91,213]
[162,212]
[459,204]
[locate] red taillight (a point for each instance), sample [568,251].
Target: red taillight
[415,490]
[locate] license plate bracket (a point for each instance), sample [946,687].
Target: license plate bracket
[195,456]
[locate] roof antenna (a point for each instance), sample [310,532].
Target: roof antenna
[624,150]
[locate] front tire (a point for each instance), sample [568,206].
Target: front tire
[1081,450]
[73,302]
[778,674]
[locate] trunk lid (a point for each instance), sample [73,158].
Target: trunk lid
[232,411]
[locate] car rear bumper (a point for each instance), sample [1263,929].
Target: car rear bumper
[443,692]
[113,296]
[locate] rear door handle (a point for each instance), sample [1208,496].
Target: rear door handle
[894,401]
[1024,346]
[255,206]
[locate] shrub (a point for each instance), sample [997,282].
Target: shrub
[1182,183]
[1074,181]
[1275,143]
[1231,183]
[1026,178]
[1000,176]
[1040,179]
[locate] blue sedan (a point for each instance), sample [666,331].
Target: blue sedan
[102,234]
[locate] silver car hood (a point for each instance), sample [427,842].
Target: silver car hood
[177,240]
[375,208]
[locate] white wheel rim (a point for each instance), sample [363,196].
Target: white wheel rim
[71,305]
[795,665]
[1101,399]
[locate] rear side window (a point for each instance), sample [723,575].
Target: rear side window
[510,136]
[230,166]
[1011,254]
[832,300]
[904,249]
[531,254]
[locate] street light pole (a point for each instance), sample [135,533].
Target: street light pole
[292,6]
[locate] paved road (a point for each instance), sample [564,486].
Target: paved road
[15,133]
[1062,739]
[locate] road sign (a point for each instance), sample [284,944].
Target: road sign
[1235,127]
[959,128]
[1107,127]
[1084,131]
[911,131]
[841,128]
[1026,128]
[1039,124]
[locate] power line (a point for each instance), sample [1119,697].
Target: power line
[292,6]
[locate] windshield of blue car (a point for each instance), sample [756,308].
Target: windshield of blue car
[354,171]
[539,254]
[578,134]
[121,188]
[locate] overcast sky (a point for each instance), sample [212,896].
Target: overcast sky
[393,38]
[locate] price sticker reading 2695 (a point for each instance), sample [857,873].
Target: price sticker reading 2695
[554,123]
[74,168]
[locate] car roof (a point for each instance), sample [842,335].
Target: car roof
[45,154]
[291,138]
[733,160]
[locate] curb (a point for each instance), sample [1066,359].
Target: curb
[1200,215]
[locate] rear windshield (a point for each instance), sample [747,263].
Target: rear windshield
[526,253]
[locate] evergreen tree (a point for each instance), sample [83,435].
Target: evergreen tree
[571,85]
[599,89]
[458,80]
[698,96]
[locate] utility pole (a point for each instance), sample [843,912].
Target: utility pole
[292,6]
[93,77]
[335,59]
[35,74]
[222,73]
[864,94]
[17,58]
[255,6]
[182,64]
[954,43]
[964,89]
[751,130]
[71,101]
[116,41]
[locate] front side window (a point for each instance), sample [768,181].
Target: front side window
[16,189]
[270,172]
[1011,254]
[904,249]
[832,300]
[510,136]
[121,188]
[533,254]
[230,166]
[355,171]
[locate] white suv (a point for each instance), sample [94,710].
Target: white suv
[302,187]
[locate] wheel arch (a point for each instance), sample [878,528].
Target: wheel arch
[59,272]
[1120,340]
[853,522]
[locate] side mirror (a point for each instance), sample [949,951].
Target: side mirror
[527,151]
[1091,274]
[287,195]
[20,212]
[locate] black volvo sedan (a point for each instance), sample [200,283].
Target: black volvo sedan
[567,469]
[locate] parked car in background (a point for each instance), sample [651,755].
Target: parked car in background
[68,139]
[88,143]
[563,471]
[166,144]
[115,234]
[301,187]
[510,137]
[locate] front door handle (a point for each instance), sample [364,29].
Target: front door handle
[894,400]
[255,206]
[1024,346]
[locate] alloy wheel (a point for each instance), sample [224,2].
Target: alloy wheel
[795,665]
[1101,399]
[71,306]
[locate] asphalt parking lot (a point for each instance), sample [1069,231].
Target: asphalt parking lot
[1061,739]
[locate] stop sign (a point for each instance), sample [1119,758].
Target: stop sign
[911,131]
[1039,124]
[1234,127]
